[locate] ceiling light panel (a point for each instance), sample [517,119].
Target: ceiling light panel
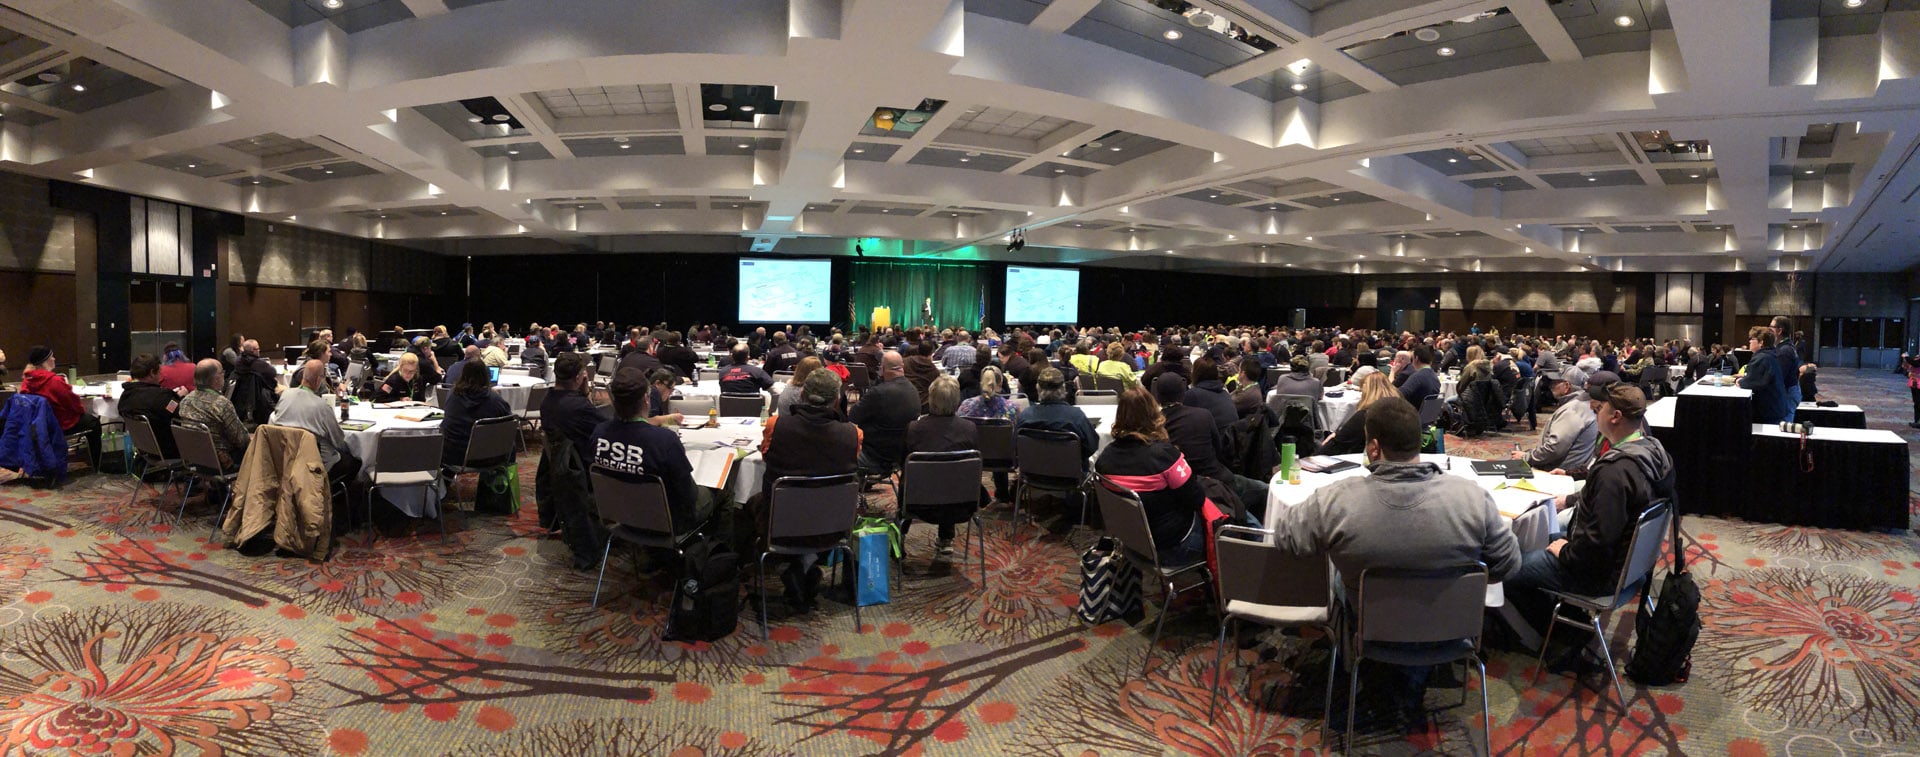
[1491,41]
[1116,147]
[1060,169]
[733,145]
[978,161]
[603,147]
[627,100]
[1008,123]
[1590,179]
[1139,27]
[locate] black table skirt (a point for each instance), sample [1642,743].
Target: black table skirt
[1710,457]
[1852,485]
[1827,417]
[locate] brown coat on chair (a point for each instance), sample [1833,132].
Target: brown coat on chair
[282,484]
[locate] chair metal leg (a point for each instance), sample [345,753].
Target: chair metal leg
[1333,664]
[603,570]
[1606,654]
[853,580]
[220,520]
[1019,493]
[184,496]
[766,633]
[1219,672]
[1486,710]
[1166,603]
[1541,663]
[1353,698]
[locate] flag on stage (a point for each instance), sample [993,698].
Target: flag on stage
[981,321]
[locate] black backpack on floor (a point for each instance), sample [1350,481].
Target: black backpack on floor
[708,604]
[1663,638]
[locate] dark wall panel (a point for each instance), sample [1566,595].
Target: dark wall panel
[33,305]
[269,314]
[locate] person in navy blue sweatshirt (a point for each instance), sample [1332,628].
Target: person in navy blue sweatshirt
[630,448]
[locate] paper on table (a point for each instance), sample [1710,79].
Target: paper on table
[1513,501]
[712,467]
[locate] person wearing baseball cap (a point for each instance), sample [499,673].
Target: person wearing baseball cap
[43,378]
[1621,484]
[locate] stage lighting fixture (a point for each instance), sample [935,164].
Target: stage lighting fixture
[1017,241]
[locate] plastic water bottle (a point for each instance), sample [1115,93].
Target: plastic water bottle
[713,416]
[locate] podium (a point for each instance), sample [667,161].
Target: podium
[882,318]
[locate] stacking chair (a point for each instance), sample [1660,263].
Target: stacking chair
[1126,521]
[1109,383]
[1653,382]
[707,374]
[692,407]
[1261,583]
[406,458]
[1097,397]
[529,416]
[1085,381]
[742,405]
[641,517]
[996,445]
[1649,536]
[152,459]
[1419,618]
[858,376]
[945,479]
[1430,409]
[202,459]
[1334,376]
[440,394]
[807,508]
[1048,461]
[492,439]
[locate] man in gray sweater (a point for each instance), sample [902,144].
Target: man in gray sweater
[1404,514]
[303,408]
[1567,443]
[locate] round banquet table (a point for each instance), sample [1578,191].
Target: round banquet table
[1530,513]
[365,445]
[515,388]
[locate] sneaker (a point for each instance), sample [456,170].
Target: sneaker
[943,546]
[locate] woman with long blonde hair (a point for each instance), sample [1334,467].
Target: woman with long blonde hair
[1351,437]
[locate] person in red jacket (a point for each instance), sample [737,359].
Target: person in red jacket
[40,378]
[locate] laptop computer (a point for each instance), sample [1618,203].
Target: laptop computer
[1508,468]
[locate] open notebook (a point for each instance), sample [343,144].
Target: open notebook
[712,468]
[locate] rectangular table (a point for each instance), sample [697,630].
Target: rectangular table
[1838,416]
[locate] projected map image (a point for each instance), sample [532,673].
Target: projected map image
[786,291]
[1042,295]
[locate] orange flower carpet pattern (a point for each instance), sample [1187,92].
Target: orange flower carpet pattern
[123,631]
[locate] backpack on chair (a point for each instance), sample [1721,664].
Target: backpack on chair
[1664,632]
[707,603]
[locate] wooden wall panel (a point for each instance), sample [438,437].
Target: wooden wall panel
[269,314]
[33,308]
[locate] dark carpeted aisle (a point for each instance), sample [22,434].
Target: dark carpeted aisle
[124,631]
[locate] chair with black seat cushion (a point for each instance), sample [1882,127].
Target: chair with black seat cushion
[943,488]
[641,517]
[151,457]
[742,405]
[202,459]
[492,439]
[801,511]
[1418,618]
[1048,461]
[1643,552]
[1126,521]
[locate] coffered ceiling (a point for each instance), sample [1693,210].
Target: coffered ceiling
[1241,136]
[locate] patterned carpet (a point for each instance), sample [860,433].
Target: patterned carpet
[123,631]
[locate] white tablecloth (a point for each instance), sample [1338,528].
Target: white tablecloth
[516,388]
[366,446]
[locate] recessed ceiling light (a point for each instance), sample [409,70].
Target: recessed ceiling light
[743,147]
[964,160]
[1444,52]
[1809,171]
[1427,34]
[717,107]
[1299,87]
[1213,197]
[656,204]
[1623,21]
[859,149]
[513,152]
[1693,176]
[626,147]
[192,165]
[50,77]
[1113,149]
[1853,3]
[1309,238]
[1059,170]
[474,119]
[333,4]
[443,212]
[1796,226]
[746,109]
[1336,199]
[1289,265]
[619,139]
[1593,178]
[1172,34]
[79,87]
[1453,160]
[884,210]
[501,117]
[329,170]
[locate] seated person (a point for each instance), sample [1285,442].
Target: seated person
[301,407]
[323,352]
[883,414]
[1404,514]
[567,410]
[1053,413]
[1620,485]
[791,393]
[42,377]
[471,400]
[742,377]
[1299,382]
[406,382]
[920,370]
[640,354]
[1567,441]
[1117,366]
[176,371]
[628,447]
[809,439]
[1193,431]
[1250,396]
[659,407]
[1351,437]
[144,397]
[1809,382]
[1421,381]
[1209,394]
[1141,459]
[208,407]
[470,357]
[941,431]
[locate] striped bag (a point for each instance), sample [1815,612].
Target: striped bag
[1109,585]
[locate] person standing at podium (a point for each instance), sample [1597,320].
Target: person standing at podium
[926,313]
[1771,404]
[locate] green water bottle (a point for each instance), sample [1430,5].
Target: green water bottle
[1288,463]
